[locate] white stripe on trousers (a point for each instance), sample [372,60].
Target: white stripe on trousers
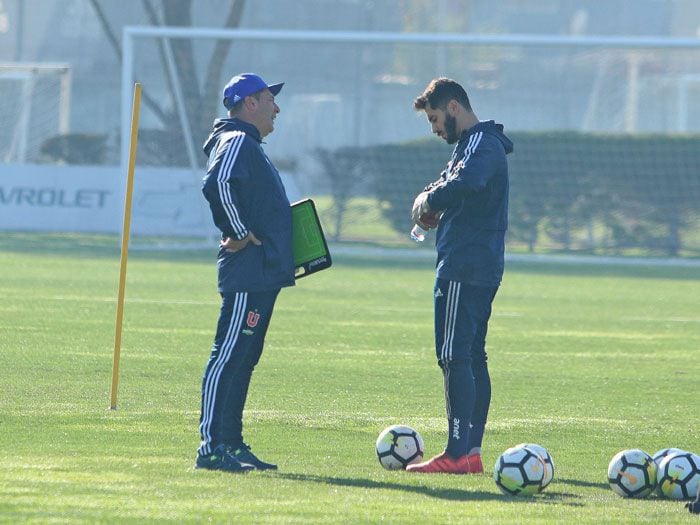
[446,386]
[450,320]
[212,381]
[448,338]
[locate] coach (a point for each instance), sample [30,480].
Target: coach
[249,205]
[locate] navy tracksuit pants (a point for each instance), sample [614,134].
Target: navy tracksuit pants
[462,313]
[238,344]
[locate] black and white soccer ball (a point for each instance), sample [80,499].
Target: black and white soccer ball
[546,457]
[398,446]
[678,476]
[519,471]
[632,473]
[660,455]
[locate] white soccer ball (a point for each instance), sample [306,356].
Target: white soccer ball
[661,454]
[678,476]
[658,457]
[546,458]
[632,473]
[519,471]
[398,446]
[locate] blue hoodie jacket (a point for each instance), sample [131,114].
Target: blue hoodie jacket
[245,194]
[473,193]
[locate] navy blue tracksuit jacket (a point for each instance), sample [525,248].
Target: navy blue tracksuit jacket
[473,193]
[245,193]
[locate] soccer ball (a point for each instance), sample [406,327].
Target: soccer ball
[519,471]
[658,458]
[546,458]
[679,475]
[398,446]
[632,473]
[661,454]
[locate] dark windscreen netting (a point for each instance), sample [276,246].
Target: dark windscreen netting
[607,193]
[570,191]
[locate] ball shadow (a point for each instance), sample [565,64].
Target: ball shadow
[581,483]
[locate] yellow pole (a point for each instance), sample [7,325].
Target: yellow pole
[125,242]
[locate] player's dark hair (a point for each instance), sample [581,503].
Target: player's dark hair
[439,92]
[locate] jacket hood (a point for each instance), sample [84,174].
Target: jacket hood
[492,128]
[222,125]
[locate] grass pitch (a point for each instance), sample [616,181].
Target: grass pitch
[585,360]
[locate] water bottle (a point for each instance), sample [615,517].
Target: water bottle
[418,233]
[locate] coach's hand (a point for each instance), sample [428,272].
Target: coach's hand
[420,207]
[233,245]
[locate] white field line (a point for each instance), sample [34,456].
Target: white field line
[217,303]
[663,319]
[428,254]
[607,335]
[131,300]
[327,419]
[597,356]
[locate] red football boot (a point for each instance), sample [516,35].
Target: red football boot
[448,465]
[475,465]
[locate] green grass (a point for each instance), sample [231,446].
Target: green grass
[585,360]
[362,221]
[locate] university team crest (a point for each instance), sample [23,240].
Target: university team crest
[252,319]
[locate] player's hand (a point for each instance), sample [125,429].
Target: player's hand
[420,207]
[234,245]
[430,220]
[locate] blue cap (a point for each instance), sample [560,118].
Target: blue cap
[244,85]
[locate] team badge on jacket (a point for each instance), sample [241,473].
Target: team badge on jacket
[252,319]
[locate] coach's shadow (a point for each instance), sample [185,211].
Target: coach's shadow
[452,494]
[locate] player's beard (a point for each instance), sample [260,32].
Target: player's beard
[451,135]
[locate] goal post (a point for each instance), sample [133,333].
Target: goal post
[348,96]
[36,95]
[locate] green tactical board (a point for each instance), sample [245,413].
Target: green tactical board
[308,242]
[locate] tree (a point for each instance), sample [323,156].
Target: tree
[347,170]
[202,96]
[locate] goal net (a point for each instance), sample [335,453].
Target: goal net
[35,106]
[606,130]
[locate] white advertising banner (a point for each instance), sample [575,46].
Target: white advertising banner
[166,202]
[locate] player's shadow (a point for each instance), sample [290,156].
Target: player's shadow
[435,492]
[452,494]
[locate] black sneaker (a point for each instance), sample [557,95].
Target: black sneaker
[221,459]
[245,456]
[694,506]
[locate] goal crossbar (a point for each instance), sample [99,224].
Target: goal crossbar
[130,33]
